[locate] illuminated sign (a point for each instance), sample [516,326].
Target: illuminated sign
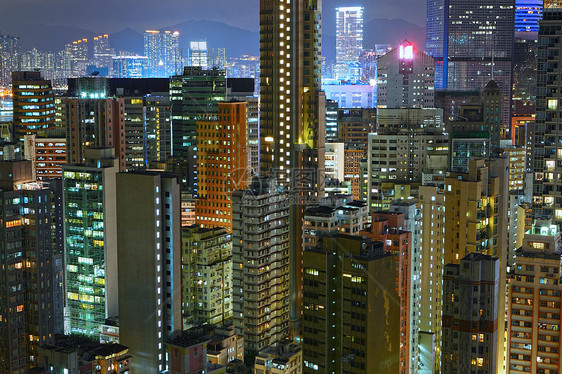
[406,51]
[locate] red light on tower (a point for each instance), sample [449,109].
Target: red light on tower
[406,51]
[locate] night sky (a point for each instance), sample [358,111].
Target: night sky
[113,15]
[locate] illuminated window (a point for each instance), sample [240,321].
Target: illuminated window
[552,104]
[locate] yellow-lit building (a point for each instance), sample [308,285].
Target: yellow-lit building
[476,221]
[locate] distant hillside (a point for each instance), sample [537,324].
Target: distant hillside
[218,35]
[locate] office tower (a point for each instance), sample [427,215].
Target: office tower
[351,307]
[528,13]
[130,67]
[355,124]
[471,290]
[331,120]
[103,53]
[162,50]
[533,335]
[194,96]
[26,275]
[242,89]
[431,203]
[34,103]
[75,58]
[286,358]
[405,78]
[222,163]
[206,275]
[476,221]
[407,143]
[149,265]
[90,232]
[468,52]
[48,156]
[10,51]
[93,123]
[348,95]
[349,38]
[198,54]
[260,261]
[368,63]
[337,214]
[547,200]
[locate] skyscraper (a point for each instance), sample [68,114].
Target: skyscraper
[547,140]
[222,164]
[10,52]
[471,315]
[26,275]
[103,53]
[90,232]
[349,38]
[260,263]
[149,265]
[405,78]
[528,13]
[472,42]
[161,48]
[34,103]
[292,127]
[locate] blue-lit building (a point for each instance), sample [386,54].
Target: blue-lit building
[130,67]
[528,13]
[472,43]
[349,95]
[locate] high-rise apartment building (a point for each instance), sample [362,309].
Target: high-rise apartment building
[162,50]
[222,164]
[260,265]
[34,103]
[206,275]
[431,204]
[547,199]
[471,315]
[405,78]
[48,155]
[292,114]
[476,222]
[103,53]
[408,142]
[90,232]
[75,58]
[533,314]
[26,277]
[10,54]
[149,265]
[351,307]
[286,358]
[93,123]
[349,38]
[472,42]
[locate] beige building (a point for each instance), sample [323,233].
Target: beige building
[206,275]
[533,330]
[476,221]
